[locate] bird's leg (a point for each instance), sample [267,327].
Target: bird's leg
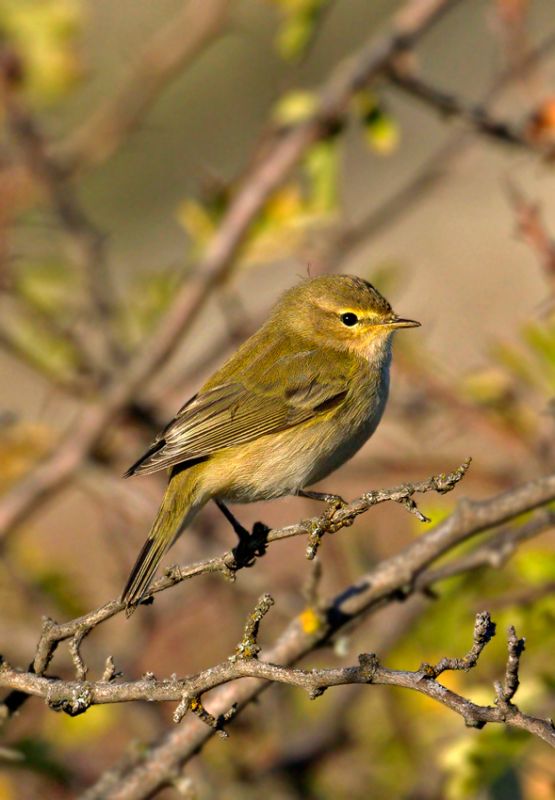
[241,532]
[250,545]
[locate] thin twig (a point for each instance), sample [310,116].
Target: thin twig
[229,563]
[87,243]
[76,697]
[166,55]
[477,116]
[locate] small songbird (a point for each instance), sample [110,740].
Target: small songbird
[296,401]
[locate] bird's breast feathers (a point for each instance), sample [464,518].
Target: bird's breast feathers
[298,457]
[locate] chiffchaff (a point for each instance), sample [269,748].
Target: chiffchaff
[297,400]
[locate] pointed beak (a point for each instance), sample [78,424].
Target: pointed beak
[398,322]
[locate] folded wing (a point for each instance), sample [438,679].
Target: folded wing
[294,390]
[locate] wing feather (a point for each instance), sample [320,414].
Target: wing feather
[293,391]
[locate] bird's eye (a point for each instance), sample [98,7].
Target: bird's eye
[349,319]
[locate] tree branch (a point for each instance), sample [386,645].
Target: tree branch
[87,243]
[477,116]
[75,697]
[166,55]
[230,562]
[392,579]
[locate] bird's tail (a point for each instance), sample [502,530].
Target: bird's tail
[174,514]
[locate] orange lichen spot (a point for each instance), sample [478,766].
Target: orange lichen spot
[310,620]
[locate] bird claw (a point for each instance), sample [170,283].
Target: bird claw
[251,545]
[333,500]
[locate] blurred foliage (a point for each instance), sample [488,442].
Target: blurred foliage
[47,286]
[381,131]
[38,756]
[294,211]
[381,743]
[150,294]
[43,35]
[484,764]
[22,444]
[300,19]
[517,386]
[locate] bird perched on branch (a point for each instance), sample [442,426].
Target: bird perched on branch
[296,401]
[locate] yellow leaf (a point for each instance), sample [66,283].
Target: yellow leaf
[295,107]
[21,446]
[74,732]
[382,134]
[7,788]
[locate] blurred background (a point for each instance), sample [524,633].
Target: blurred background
[127,129]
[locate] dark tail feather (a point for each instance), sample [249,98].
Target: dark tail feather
[158,543]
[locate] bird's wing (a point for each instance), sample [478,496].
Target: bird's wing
[296,388]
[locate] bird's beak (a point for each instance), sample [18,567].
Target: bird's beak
[398,322]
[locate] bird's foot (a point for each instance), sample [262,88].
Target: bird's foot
[251,545]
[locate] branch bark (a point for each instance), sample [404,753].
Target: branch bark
[393,579]
[75,697]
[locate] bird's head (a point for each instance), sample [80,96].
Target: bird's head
[341,311]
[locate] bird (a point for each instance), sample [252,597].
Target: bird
[291,405]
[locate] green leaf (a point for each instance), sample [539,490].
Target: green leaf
[46,285]
[381,131]
[300,19]
[322,169]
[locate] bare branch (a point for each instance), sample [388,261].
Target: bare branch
[531,228]
[400,574]
[86,241]
[170,51]
[228,564]
[477,116]
[484,631]
[396,576]
[76,697]
[507,690]
[248,647]
[371,592]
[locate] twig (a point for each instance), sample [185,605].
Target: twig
[228,564]
[484,631]
[86,241]
[76,697]
[495,552]
[531,228]
[248,647]
[403,573]
[371,592]
[431,171]
[166,55]
[477,116]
